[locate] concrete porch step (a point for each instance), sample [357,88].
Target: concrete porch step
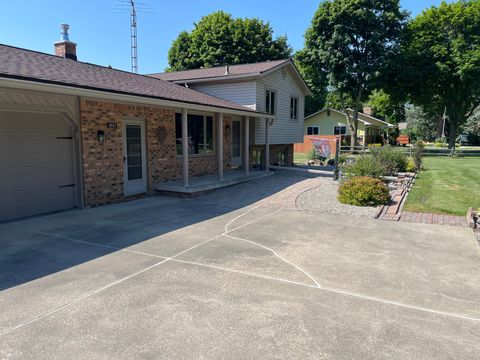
[202,184]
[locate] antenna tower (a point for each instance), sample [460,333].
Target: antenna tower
[133,7]
[133,36]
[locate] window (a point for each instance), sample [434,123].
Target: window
[340,130]
[282,157]
[257,159]
[329,113]
[293,108]
[270,102]
[313,130]
[200,134]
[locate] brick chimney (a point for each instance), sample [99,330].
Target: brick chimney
[367,110]
[65,48]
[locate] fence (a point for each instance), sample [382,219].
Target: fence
[428,151]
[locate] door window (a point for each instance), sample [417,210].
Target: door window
[134,152]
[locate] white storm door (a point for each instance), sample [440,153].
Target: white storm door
[236,143]
[135,157]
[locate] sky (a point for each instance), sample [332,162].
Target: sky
[102,33]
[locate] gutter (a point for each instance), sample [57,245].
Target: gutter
[122,97]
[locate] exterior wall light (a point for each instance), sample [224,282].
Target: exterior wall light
[101,137]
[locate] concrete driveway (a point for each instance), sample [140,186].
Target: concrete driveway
[225,276]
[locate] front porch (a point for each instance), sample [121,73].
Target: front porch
[201,184]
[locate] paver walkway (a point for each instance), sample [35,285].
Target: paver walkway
[428,218]
[287,197]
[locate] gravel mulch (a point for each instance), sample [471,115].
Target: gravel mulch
[323,199]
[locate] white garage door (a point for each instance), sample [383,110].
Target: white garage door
[36,164]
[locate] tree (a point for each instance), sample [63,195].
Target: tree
[219,39]
[353,42]
[441,58]
[420,124]
[316,81]
[386,107]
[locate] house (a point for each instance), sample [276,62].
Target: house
[274,87]
[331,123]
[74,134]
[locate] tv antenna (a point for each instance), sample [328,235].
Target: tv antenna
[133,7]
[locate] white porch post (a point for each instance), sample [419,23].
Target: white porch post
[220,146]
[185,147]
[267,145]
[246,143]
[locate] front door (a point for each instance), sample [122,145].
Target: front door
[236,143]
[134,156]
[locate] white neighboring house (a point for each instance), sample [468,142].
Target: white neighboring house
[275,87]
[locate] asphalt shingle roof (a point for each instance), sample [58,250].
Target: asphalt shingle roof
[253,69]
[40,67]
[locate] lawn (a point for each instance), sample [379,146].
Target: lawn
[447,186]
[300,158]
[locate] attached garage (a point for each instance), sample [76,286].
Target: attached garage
[37,164]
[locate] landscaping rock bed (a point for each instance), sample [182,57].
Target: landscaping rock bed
[323,199]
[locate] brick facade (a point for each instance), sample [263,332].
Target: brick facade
[103,164]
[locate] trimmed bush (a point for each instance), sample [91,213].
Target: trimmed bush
[365,165]
[417,154]
[394,160]
[411,165]
[363,191]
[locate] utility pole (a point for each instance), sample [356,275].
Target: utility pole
[444,118]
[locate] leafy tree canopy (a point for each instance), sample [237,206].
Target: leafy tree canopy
[386,107]
[352,43]
[441,61]
[220,39]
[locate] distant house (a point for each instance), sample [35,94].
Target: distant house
[274,87]
[334,122]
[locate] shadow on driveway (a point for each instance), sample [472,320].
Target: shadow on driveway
[36,247]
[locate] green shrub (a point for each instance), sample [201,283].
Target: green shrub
[363,191]
[312,155]
[365,165]
[417,154]
[342,159]
[394,160]
[411,165]
[440,145]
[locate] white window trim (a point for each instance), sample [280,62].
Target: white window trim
[340,126]
[313,127]
[295,108]
[275,103]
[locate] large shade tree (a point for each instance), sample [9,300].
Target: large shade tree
[220,39]
[352,43]
[441,61]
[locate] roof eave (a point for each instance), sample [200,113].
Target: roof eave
[217,78]
[71,89]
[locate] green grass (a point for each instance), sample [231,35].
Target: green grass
[447,186]
[299,158]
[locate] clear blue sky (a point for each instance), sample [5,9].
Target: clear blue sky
[103,34]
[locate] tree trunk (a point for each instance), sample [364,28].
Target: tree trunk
[452,134]
[354,122]
[353,140]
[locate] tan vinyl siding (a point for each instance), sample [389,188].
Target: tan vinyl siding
[284,130]
[238,92]
[326,123]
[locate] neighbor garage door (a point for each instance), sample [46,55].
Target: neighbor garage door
[36,164]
